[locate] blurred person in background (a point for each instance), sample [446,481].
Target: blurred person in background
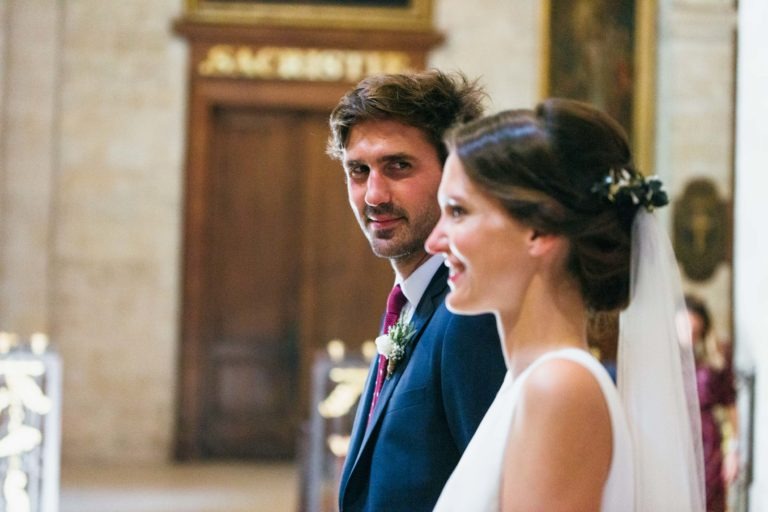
[717,399]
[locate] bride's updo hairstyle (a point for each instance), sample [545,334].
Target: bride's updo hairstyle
[546,167]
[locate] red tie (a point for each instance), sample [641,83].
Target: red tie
[395,303]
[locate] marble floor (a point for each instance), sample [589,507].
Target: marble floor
[220,487]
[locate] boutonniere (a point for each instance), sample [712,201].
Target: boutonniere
[392,344]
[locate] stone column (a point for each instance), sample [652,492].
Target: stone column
[29,77]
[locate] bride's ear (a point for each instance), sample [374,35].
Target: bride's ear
[541,244]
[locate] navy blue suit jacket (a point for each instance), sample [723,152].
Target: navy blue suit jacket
[427,411]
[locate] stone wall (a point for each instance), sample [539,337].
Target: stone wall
[116,242]
[28,148]
[496,41]
[695,123]
[92,159]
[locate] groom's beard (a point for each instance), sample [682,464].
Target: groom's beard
[406,236]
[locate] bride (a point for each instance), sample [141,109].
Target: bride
[544,222]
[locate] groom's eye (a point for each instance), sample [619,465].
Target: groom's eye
[400,165]
[357,171]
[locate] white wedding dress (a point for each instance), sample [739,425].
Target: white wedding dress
[476,482]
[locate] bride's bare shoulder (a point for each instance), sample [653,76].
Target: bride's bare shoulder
[557,375]
[564,385]
[559,446]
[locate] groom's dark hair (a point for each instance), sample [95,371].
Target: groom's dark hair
[432,101]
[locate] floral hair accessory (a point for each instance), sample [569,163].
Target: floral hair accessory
[622,187]
[392,345]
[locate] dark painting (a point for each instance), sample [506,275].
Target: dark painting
[592,44]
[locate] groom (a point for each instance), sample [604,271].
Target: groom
[419,409]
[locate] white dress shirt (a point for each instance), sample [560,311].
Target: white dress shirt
[416,284]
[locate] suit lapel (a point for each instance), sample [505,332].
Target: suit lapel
[432,298]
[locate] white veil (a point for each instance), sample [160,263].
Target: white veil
[657,378]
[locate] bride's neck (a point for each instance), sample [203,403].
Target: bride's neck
[547,319]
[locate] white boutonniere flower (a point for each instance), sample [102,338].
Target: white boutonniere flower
[392,344]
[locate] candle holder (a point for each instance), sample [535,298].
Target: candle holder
[338,379]
[30,424]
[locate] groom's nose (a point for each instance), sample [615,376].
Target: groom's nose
[378,189]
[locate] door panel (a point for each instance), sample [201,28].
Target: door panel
[253,282]
[286,269]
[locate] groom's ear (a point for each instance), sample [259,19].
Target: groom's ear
[541,244]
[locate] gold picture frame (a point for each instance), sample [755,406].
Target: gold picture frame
[603,52]
[413,15]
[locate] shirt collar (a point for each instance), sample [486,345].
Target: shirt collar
[416,284]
